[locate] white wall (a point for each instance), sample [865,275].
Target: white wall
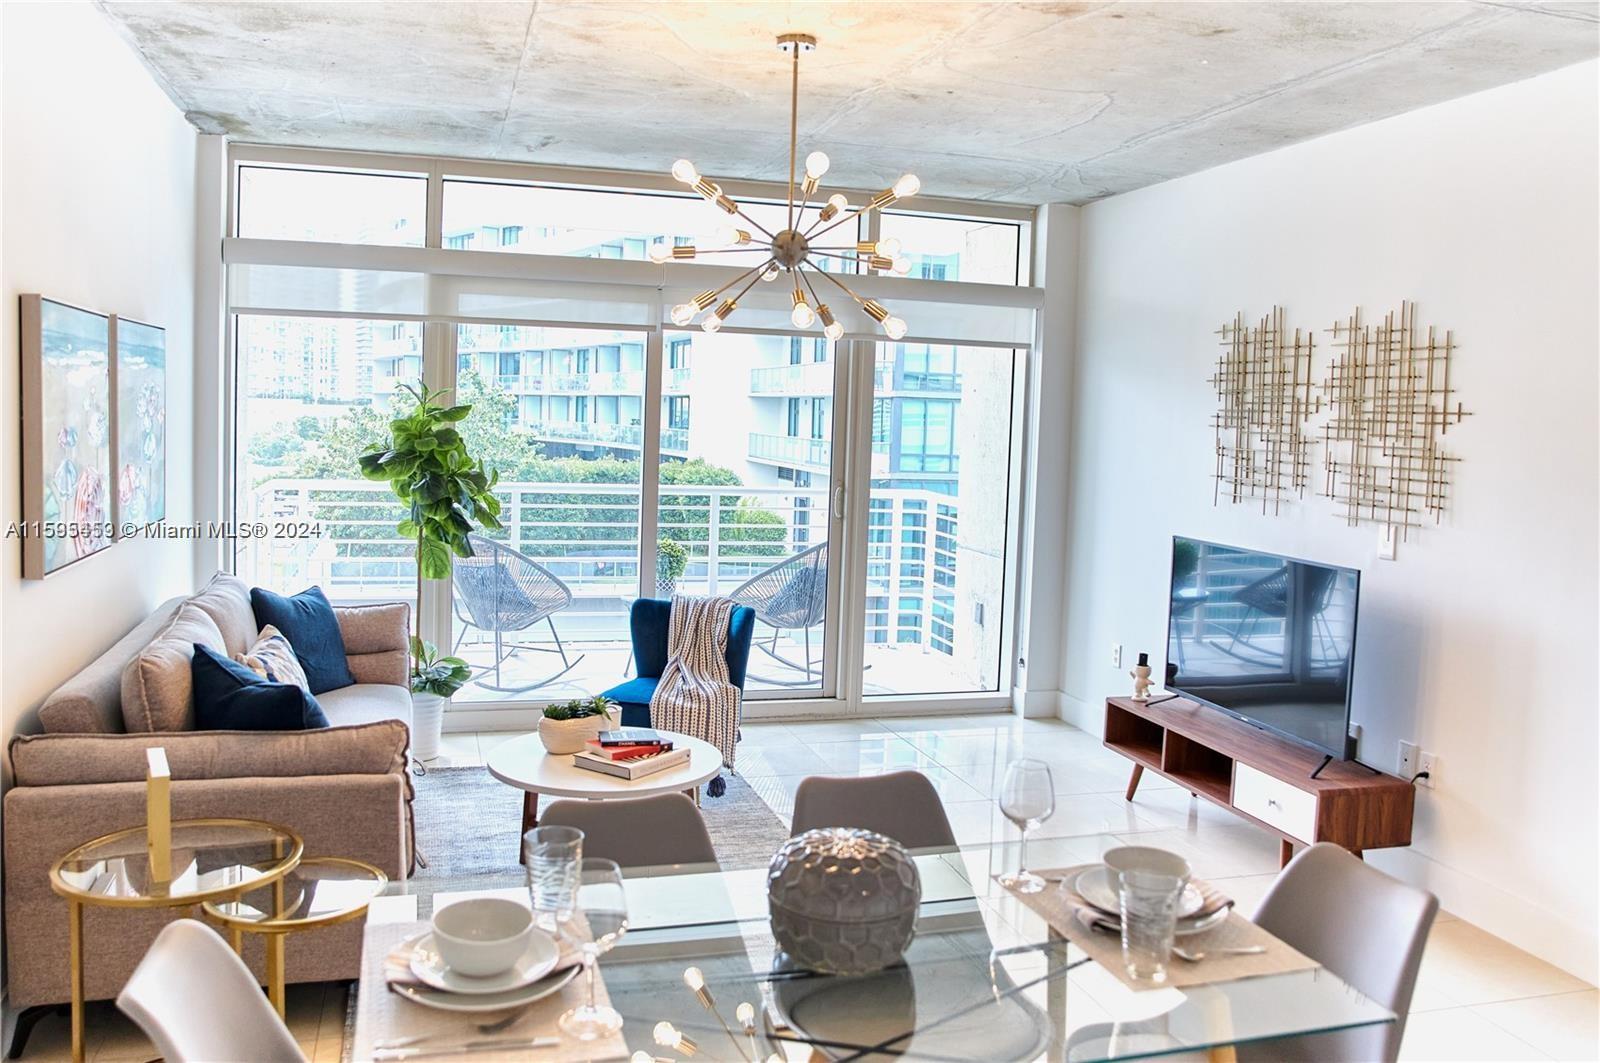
[97,208]
[1479,641]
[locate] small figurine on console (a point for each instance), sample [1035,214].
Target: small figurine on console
[1141,678]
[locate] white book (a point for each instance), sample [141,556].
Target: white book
[632,769]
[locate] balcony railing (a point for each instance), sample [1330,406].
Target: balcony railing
[807,378]
[797,451]
[676,380]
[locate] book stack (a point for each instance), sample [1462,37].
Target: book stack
[630,753]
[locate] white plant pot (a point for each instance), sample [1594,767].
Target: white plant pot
[427,717]
[568,736]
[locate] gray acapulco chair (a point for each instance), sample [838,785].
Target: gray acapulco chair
[902,805]
[502,590]
[791,595]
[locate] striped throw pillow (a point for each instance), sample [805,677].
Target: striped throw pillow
[273,659]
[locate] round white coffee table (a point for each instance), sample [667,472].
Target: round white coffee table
[523,763]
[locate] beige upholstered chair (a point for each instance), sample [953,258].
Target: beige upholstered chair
[198,1001]
[641,832]
[1365,927]
[902,805]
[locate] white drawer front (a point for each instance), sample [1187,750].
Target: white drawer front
[1289,808]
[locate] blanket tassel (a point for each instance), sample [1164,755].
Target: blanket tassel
[717,787]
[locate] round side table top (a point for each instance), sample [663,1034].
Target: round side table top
[212,859]
[320,891]
[523,763]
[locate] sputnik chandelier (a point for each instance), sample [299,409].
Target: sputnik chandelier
[793,251]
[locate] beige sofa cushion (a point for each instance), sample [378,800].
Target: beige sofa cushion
[226,600]
[375,641]
[366,702]
[71,760]
[91,701]
[157,692]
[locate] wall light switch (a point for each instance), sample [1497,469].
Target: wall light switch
[1116,655]
[1387,537]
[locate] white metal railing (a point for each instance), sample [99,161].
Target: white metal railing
[807,378]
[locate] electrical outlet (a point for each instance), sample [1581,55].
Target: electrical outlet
[1386,542]
[1408,760]
[1116,655]
[1427,762]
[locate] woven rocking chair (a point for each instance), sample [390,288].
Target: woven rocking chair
[791,595]
[503,590]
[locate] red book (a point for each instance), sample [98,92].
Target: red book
[633,752]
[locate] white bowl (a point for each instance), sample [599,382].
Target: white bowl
[1144,858]
[484,936]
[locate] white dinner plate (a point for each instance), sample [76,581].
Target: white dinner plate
[1094,885]
[1097,920]
[429,997]
[534,963]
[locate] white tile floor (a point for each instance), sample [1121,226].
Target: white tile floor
[1478,998]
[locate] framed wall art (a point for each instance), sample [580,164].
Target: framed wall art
[66,434]
[139,381]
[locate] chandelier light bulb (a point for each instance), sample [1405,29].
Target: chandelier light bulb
[908,185]
[712,323]
[668,1036]
[772,272]
[833,330]
[684,313]
[745,1013]
[817,164]
[838,202]
[889,247]
[802,316]
[894,328]
[683,170]
[902,265]
[660,251]
[730,234]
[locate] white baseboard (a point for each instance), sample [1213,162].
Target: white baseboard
[1085,716]
[1035,704]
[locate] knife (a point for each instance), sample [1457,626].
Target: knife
[460,1048]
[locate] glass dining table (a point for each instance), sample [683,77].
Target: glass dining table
[984,979]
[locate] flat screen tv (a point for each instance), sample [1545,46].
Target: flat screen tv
[1265,638]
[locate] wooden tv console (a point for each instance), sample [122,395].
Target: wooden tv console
[1259,777]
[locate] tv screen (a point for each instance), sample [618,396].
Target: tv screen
[1266,638]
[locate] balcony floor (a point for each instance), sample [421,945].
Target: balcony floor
[606,662]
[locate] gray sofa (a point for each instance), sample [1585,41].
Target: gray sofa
[345,789]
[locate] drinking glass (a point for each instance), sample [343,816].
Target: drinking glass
[1027,798]
[552,856]
[603,904]
[1148,903]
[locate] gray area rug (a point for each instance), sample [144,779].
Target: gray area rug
[469,829]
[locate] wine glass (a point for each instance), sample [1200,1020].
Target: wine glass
[603,904]
[1028,798]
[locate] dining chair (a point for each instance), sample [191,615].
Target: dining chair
[902,805]
[1365,927]
[637,832]
[199,1003]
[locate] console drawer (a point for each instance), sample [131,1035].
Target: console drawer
[1273,801]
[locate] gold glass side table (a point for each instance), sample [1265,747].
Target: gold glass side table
[211,859]
[322,891]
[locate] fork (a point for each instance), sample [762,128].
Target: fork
[502,1023]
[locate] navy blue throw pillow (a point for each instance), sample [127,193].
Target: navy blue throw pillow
[307,621]
[230,697]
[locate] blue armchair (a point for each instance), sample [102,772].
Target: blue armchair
[648,621]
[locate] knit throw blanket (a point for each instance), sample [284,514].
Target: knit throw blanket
[694,696]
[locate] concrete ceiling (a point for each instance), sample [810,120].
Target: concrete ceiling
[1017,102]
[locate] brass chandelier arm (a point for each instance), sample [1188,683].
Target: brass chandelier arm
[756,270]
[854,215]
[815,298]
[834,254]
[836,282]
[764,230]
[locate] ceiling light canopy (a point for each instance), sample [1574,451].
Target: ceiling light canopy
[794,250]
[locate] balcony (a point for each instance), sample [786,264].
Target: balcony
[676,381]
[793,381]
[625,382]
[589,433]
[889,379]
[796,452]
[587,535]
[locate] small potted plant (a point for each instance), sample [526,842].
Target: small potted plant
[434,681]
[671,560]
[568,725]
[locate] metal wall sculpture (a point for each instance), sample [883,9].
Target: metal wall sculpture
[1265,395]
[1392,402]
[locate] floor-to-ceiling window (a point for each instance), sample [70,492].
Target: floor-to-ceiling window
[577,383]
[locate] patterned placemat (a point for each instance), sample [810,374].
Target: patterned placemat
[381,1014]
[1073,918]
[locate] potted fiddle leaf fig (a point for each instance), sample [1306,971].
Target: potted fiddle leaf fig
[448,495]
